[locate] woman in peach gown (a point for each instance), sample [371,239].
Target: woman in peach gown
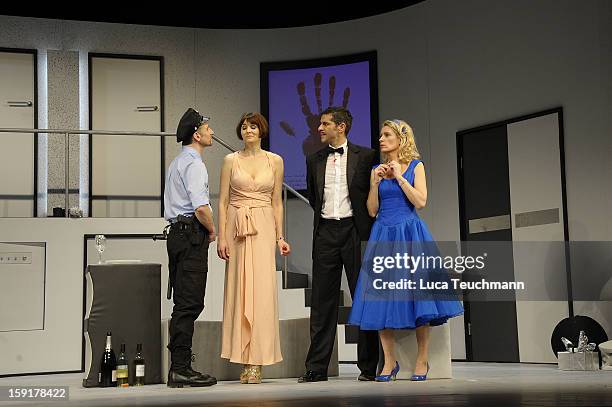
[250,226]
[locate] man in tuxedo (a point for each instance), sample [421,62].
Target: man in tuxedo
[338,181]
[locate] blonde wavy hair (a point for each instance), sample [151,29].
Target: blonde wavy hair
[407,148]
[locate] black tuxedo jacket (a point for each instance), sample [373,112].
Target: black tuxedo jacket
[360,161]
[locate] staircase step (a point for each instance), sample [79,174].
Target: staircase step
[308,297]
[351,334]
[343,314]
[293,300]
[295,280]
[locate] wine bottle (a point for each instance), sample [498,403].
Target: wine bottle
[139,365]
[108,366]
[122,368]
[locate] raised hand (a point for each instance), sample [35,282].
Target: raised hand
[312,142]
[379,173]
[395,169]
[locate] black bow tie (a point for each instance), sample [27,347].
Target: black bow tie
[331,150]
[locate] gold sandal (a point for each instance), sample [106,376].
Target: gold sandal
[244,376]
[254,375]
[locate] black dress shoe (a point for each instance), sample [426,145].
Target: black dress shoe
[311,376]
[188,377]
[364,377]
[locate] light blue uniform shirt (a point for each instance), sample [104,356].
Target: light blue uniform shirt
[186,184]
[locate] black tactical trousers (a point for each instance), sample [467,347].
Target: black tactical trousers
[187,246]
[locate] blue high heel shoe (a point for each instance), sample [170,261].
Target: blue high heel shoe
[390,376]
[420,377]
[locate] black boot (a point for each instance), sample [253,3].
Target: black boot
[204,375]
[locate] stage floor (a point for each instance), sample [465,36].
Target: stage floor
[474,384]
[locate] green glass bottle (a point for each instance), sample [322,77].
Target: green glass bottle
[122,369]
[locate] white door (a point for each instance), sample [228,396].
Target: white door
[126,170]
[536,201]
[17,102]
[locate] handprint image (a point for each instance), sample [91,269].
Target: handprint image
[312,142]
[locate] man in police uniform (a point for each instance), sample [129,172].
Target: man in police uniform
[187,208]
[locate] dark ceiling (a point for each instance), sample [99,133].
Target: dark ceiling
[229,14]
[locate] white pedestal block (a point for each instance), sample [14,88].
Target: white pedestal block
[439,352]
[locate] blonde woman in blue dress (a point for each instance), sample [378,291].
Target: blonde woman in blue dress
[397,189]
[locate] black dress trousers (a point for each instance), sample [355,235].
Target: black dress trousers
[336,244]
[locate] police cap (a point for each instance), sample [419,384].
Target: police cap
[189,123]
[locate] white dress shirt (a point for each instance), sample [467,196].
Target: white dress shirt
[336,201]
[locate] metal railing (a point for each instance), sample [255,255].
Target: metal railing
[68,132]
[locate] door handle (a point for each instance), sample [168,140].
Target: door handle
[14,103]
[147,108]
